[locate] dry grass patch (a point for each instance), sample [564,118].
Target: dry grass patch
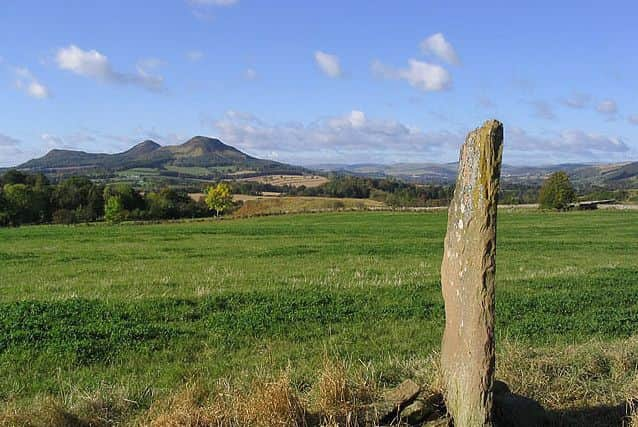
[186,408]
[273,403]
[336,399]
[342,392]
[266,403]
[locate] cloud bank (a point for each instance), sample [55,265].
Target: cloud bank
[355,137]
[337,138]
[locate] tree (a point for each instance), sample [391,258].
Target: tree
[114,211]
[129,197]
[23,205]
[219,198]
[557,192]
[14,177]
[80,196]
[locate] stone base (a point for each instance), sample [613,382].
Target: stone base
[409,406]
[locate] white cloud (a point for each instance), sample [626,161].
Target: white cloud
[328,63]
[349,137]
[356,120]
[437,45]
[26,82]
[250,74]
[37,90]
[95,65]
[195,55]
[85,63]
[633,119]
[421,75]
[607,106]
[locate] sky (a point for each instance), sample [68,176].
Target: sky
[315,82]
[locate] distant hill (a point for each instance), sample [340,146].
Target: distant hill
[206,158]
[622,175]
[610,174]
[199,151]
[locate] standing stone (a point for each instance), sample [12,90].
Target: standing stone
[467,278]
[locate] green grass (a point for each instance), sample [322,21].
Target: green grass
[151,307]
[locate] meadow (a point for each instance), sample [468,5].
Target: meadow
[131,314]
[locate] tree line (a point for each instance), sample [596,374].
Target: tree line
[390,191]
[33,199]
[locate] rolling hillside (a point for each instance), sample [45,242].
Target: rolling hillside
[197,152]
[620,175]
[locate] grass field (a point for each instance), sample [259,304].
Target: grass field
[132,313]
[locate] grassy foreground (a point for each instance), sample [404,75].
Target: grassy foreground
[130,315]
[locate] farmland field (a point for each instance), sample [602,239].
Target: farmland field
[141,310]
[292,180]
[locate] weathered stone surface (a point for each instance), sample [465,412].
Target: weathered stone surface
[403,393]
[393,400]
[425,407]
[467,278]
[416,412]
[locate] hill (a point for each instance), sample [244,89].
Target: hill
[617,175]
[197,152]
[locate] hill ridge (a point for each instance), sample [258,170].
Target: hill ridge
[198,151]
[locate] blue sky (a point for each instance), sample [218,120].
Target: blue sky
[321,82]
